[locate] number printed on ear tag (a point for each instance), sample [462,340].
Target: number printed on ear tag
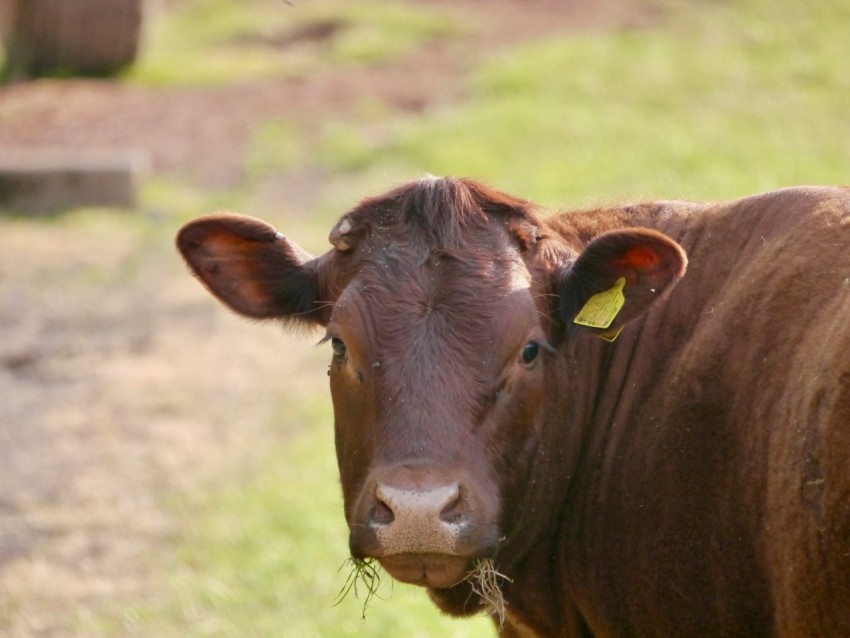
[601,309]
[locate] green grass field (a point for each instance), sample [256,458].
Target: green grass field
[217,42]
[719,100]
[722,100]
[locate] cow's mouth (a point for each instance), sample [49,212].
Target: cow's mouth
[437,571]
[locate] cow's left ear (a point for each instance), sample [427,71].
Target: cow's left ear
[618,277]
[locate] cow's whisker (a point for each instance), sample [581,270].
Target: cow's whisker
[366,572]
[485,582]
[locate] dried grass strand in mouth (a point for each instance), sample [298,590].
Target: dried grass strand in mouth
[484,579]
[363,571]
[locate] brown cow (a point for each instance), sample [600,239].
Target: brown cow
[688,474]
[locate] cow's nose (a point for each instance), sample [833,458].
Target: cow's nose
[440,503]
[411,520]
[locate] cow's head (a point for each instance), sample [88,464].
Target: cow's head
[445,305]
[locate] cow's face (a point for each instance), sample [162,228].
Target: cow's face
[444,305]
[436,375]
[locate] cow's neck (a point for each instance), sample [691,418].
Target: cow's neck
[603,385]
[546,608]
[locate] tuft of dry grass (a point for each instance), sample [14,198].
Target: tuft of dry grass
[485,582]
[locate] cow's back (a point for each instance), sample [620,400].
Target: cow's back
[714,496]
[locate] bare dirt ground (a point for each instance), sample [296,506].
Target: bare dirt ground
[121,382]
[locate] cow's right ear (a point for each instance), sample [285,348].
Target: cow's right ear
[254,269]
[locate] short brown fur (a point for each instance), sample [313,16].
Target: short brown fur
[689,479]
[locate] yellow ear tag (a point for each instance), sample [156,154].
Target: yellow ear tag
[601,308]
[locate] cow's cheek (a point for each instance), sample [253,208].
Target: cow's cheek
[354,421]
[520,449]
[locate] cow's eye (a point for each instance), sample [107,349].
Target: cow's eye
[530,352]
[338,346]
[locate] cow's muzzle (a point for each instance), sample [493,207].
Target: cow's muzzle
[425,527]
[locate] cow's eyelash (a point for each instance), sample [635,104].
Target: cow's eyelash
[548,347]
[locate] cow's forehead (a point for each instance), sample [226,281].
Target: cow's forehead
[443,276]
[474,294]
[436,252]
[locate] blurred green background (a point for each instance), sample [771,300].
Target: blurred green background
[175,470]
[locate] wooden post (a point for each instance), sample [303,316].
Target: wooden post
[38,182]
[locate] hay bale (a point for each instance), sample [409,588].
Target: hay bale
[76,37]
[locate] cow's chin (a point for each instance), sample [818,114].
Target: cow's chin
[436,571]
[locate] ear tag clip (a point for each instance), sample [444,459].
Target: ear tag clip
[610,335]
[601,309]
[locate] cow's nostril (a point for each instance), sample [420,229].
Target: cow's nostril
[454,510]
[381,514]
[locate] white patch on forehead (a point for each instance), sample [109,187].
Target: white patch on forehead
[519,278]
